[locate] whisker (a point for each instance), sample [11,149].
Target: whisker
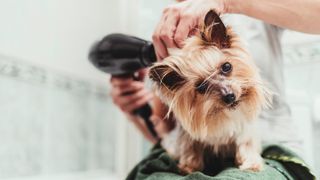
[210,76]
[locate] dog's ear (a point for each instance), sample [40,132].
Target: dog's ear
[163,74]
[214,31]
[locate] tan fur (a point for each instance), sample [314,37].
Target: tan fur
[204,120]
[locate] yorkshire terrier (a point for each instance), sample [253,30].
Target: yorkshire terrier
[215,92]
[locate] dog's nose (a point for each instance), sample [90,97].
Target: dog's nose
[229,98]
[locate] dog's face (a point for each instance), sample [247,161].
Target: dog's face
[210,83]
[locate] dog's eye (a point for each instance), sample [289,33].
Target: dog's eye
[226,68]
[202,87]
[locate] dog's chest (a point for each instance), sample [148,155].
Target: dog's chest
[228,130]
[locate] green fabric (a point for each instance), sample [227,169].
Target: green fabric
[296,166]
[280,163]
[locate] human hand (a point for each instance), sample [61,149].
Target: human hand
[178,21]
[129,94]
[162,125]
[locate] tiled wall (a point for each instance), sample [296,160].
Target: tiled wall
[52,123]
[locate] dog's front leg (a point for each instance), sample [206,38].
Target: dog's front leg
[191,158]
[248,155]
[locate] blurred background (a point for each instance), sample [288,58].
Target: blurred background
[57,120]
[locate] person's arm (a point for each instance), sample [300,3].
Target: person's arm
[162,124]
[141,126]
[129,95]
[178,21]
[299,15]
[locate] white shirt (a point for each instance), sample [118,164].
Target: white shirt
[263,42]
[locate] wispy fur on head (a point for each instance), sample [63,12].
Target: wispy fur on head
[213,106]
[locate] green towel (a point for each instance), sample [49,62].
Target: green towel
[280,163]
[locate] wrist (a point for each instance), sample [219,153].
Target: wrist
[132,117]
[235,6]
[224,6]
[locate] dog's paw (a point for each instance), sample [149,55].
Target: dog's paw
[185,169]
[251,162]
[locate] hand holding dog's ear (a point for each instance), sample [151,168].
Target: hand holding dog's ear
[178,21]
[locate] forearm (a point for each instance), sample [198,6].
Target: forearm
[299,15]
[158,118]
[141,126]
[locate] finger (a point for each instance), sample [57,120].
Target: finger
[167,31]
[158,57]
[130,99]
[142,101]
[126,90]
[186,24]
[133,87]
[159,46]
[193,31]
[125,100]
[120,81]
[115,95]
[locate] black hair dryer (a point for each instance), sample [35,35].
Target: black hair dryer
[123,55]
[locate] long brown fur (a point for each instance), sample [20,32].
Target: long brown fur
[204,120]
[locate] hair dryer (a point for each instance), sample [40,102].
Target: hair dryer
[123,55]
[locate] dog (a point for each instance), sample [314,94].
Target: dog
[215,92]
